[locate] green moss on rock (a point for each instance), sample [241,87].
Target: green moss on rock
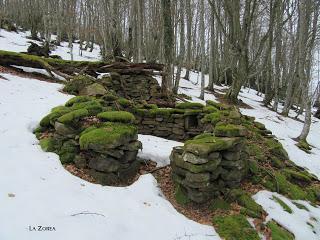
[189,105]
[204,146]
[234,227]
[77,83]
[108,136]
[78,99]
[47,144]
[94,106]
[53,116]
[117,116]
[124,102]
[230,130]
[213,118]
[73,116]
[276,149]
[180,196]
[210,109]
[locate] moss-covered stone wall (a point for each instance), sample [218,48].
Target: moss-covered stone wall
[208,165]
[91,134]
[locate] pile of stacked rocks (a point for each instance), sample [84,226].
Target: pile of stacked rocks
[207,166]
[138,87]
[110,156]
[104,142]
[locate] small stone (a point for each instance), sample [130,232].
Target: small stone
[63,129]
[94,89]
[197,196]
[214,156]
[207,167]
[80,161]
[187,183]
[233,175]
[233,164]
[104,178]
[231,156]
[179,171]
[192,158]
[104,164]
[129,156]
[215,174]
[197,177]
[116,153]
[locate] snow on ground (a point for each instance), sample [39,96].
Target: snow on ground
[18,42]
[157,149]
[304,224]
[36,190]
[192,87]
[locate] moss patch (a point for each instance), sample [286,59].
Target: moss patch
[189,105]
[278,232]
[180,196]
[234,227]
[117,116]
[206,145]
[283,204]
[73,116]
[78,99]
[124,102]
[252,209]
[229,130]
[47,144]
[108,136]
[220,204]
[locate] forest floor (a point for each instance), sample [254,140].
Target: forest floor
[36,190]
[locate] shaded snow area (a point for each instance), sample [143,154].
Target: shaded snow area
[303,223]
[157,149]
[36,190]
[18,42]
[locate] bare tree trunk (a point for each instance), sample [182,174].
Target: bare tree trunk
[189,39]
[168,46]
[182,48]
[202,43]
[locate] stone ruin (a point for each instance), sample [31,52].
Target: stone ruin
[171,123]
[208,165]
[137,87]
[98,131]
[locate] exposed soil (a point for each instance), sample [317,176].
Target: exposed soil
[20,73]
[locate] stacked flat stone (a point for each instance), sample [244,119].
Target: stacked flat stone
[138,87]
[209,165]
[111,163]
[174,126]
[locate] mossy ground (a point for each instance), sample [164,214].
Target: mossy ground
[282,204]
[279,233]
[234,227]
[117,116]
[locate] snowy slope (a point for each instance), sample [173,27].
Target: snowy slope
[36,190]
[18,42]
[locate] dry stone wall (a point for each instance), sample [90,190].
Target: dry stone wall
[177,126]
